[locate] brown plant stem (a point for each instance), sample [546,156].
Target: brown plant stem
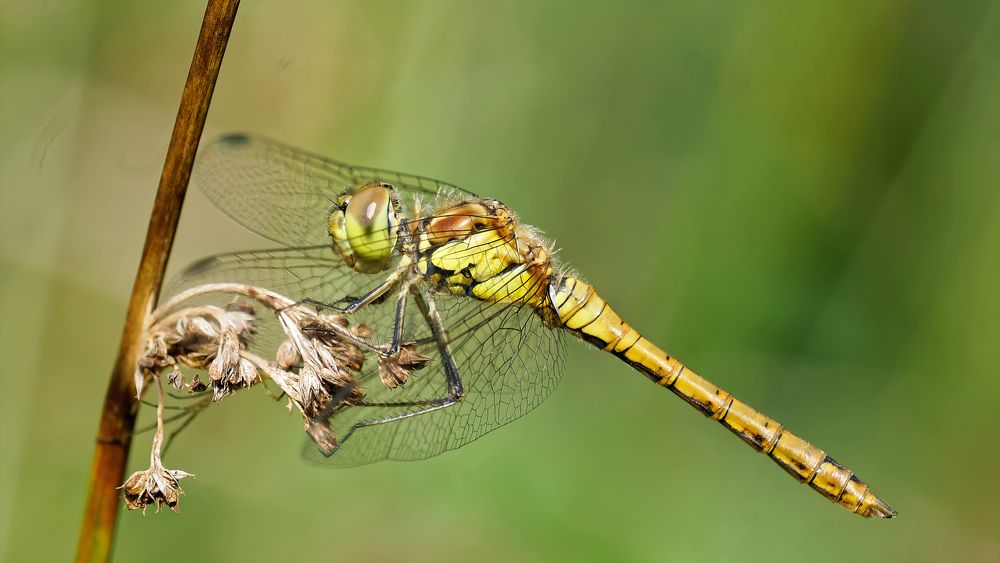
[114,435]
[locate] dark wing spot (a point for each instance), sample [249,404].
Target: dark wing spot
[200,266]
[234,139]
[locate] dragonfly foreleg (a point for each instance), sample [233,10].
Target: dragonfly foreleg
[352,303]
[355,303]
[397,330]
[397,325]
[402,276]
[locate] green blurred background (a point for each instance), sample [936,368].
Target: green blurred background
[799,201]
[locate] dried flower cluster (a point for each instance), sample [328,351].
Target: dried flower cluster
[156,485]
[316,366]
[204,337]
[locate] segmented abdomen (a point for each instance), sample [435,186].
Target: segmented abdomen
[586,314]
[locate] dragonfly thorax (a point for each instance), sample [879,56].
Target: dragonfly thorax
[464,220]
[364,226]
[478,249]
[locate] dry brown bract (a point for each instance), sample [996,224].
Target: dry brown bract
[316,366]
[154,486]
[395,370]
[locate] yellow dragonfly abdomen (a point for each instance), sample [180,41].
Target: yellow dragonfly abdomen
[583,312]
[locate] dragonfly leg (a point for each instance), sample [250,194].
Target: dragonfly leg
[397,330]
[425,301]
[355,303]
[397,326]
[352,303]
[428,308]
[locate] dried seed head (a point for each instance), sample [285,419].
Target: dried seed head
[227,360]
[175,378]
[196,385]
[245,375]
[337,354]
[410,359]
[288,355]
[391,373]
[329,366]
[197,326]
[197,335]
[350,356]
[319,431]
[395,370]
[248,373]
[315,398]
[194,342]
[156,485]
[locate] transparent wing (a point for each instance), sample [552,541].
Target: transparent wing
[314,272]
[285,194]
[509,362]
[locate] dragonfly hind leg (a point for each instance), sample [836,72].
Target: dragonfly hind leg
[455,392]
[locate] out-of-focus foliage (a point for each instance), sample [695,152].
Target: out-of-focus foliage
[800,201]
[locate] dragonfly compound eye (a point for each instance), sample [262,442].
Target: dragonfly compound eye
[371,223]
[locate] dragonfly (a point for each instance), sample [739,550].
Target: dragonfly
[481,294]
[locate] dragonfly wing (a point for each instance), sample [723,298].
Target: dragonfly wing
[313,272]
[508,361]
[285,194]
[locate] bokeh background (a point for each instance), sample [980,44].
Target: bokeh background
[801,201]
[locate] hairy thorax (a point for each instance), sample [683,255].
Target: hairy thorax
[479,249]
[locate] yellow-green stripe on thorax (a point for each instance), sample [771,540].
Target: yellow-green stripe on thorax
[478,249]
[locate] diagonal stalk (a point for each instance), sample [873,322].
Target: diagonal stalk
[120,402]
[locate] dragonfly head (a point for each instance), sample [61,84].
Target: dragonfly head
[364,226]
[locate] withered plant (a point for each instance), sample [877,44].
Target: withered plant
[315,367]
